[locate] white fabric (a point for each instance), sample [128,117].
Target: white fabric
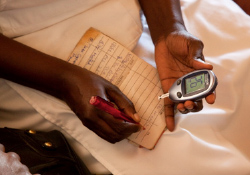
[123,18]
[22,17]
[213,141]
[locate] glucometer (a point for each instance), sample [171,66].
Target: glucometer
[192,86]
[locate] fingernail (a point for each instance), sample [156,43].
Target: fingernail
[190,107]
[136,117]
[202,61]
[141,127]
[182,109]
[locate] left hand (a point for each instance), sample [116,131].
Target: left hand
[176,55]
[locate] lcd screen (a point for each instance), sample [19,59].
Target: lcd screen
[195,83]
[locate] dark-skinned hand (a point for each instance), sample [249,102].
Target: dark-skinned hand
[176,55]
[80,85]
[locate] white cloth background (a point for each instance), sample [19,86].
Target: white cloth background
[213,141]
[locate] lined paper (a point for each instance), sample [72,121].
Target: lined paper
[137,79]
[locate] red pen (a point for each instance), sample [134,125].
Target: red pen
[109,108]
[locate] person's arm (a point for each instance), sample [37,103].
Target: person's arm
[245,5]
[177,52]
[74,85]
[163,17]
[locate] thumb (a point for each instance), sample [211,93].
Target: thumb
[196,56]
[123,103]
[200,64]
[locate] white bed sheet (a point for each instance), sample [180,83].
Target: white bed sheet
[213,141]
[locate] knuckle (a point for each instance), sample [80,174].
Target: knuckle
[113,88]
[185,111]
[114,138]
[168,105]
[13,156]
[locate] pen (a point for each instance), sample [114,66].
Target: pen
[109,108]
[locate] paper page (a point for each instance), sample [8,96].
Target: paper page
[137,79]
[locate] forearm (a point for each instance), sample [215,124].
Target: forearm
[30,67]
[163,17]
[70,83]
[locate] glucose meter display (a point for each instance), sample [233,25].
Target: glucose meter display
[195,83]
[193,86]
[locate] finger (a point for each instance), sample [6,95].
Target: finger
[200,64]
[108,127]
[113,129]
[196,48]
[194,106]
[182,108]
[123,103]
[210,99]
[169,114]
[103,130]
[2,148]
[120,126]
[93,120]
[196,56]
[14,156]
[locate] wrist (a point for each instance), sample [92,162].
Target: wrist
[164,32]
[163,17]
[68,80]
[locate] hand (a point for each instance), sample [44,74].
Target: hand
[245,5]
[80,86]
[177,55]
[10,163]
[71,83]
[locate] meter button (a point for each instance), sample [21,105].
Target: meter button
[179,95]
[178,82]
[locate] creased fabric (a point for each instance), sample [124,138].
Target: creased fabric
[213,141]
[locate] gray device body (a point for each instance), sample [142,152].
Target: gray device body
[193,86]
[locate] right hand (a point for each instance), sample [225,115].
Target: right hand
[176,55]
[80,85]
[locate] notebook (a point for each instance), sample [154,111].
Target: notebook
[137,79]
